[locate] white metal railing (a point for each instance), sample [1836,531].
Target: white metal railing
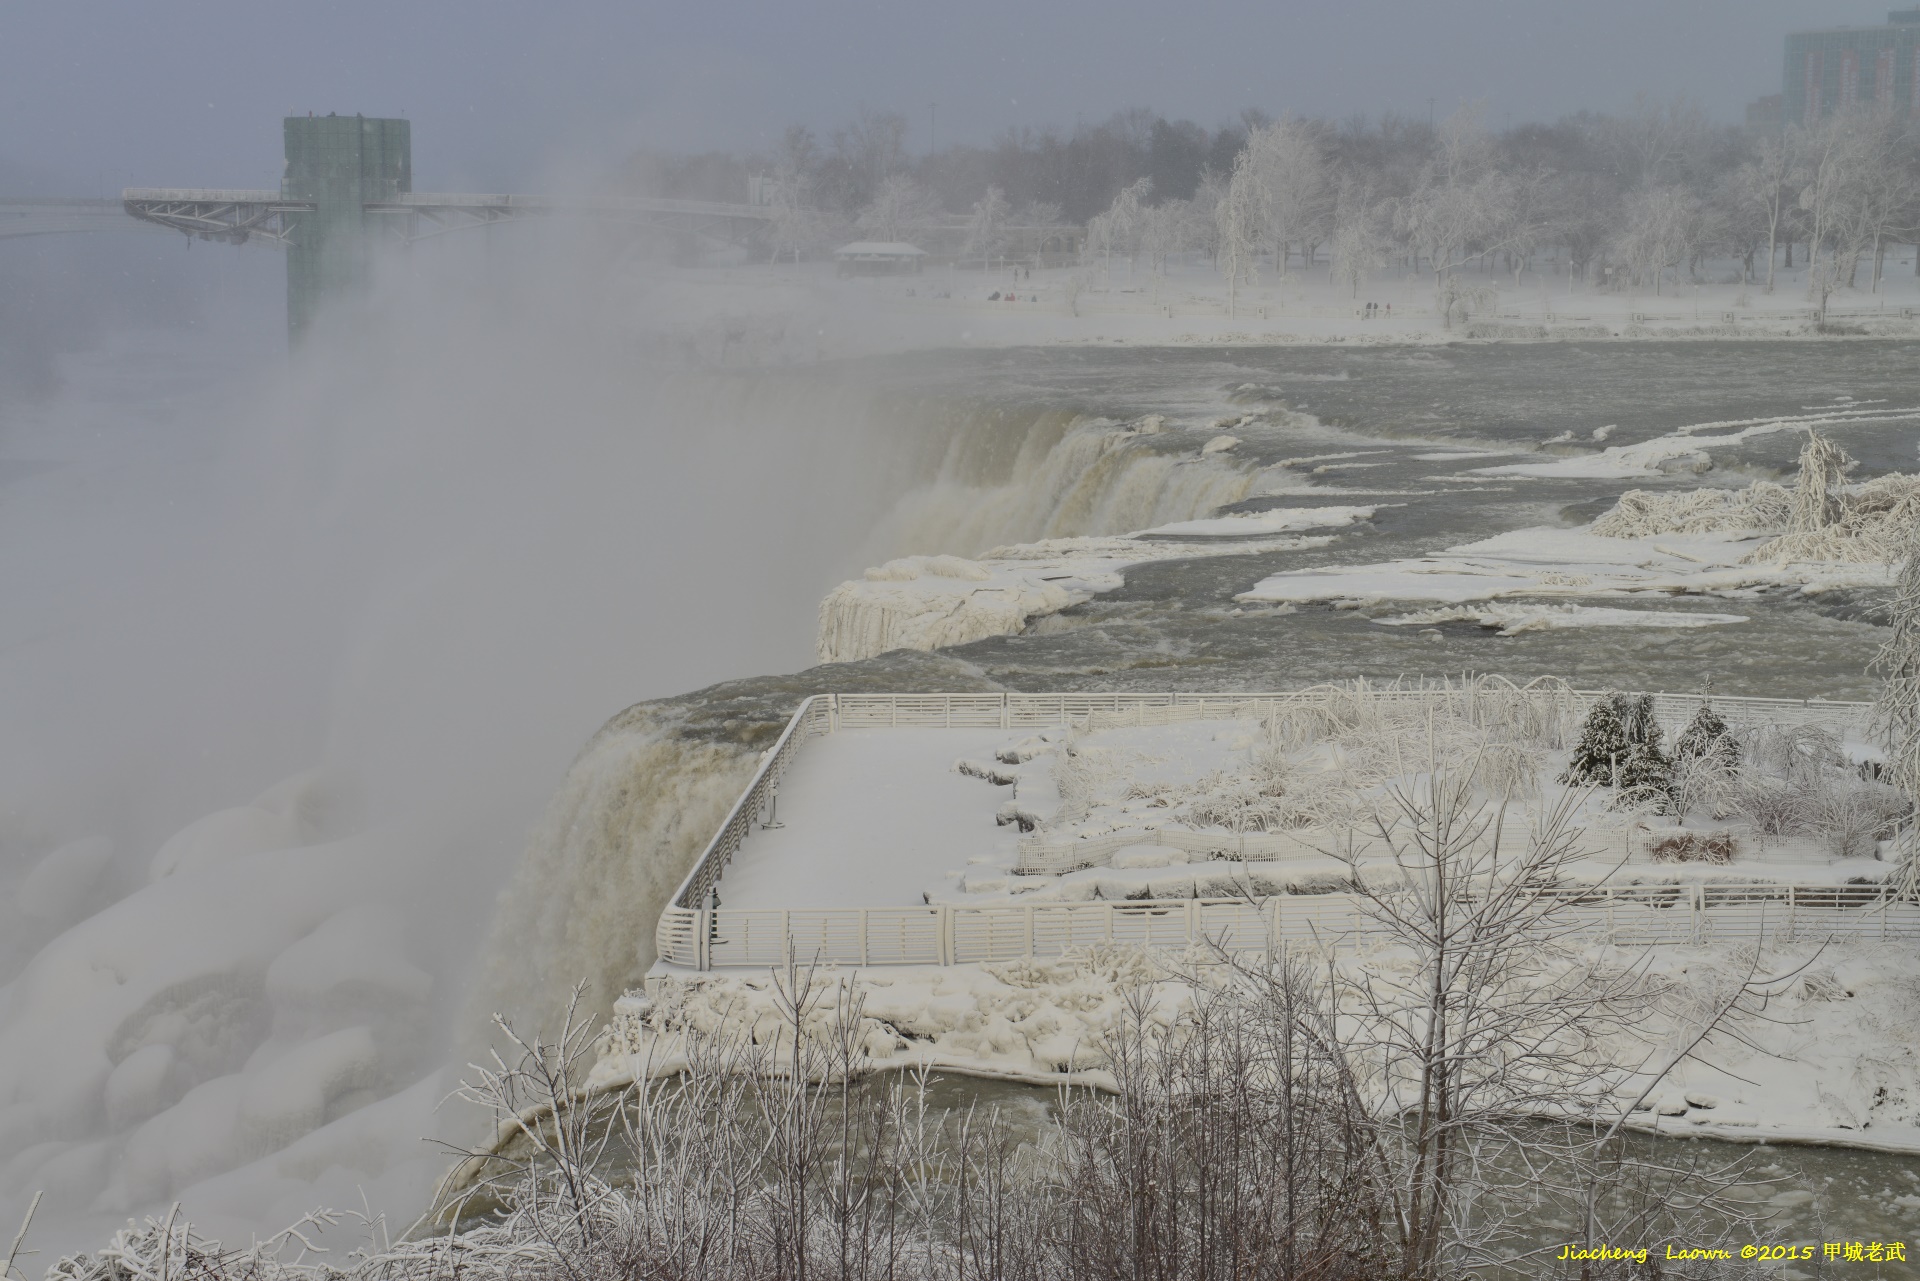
[206,195]
[813,717]
[1759,913]
[687,931]
[1038,856]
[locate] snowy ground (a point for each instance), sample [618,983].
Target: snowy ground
[1545,561]
[910,815]
[786,313]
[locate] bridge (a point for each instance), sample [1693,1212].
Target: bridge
[348,188]
[267,217]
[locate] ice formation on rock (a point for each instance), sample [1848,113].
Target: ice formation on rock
[932,602]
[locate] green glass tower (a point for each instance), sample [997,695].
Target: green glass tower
[340,164]
[1853,68]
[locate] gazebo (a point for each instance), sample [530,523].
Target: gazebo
[878,258]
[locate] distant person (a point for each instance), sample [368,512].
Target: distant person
[994,296]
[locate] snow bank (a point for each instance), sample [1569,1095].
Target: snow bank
[1511,620]
[1686,450]
[1837,1061]
[1546,561]
[1035,1020]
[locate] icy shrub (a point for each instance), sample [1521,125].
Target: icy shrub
[1706,761]
[1693,847]
[1797,782]
[1853,814]
[1641,513]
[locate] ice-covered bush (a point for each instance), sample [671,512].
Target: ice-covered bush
[1693,847]
[1797,782]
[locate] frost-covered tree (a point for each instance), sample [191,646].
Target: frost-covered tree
[899,204]
[1837,160]
[1896,713]
[1119,226]
[987,226]
[1161,229]
[1360,241]
[1820,495]
[1458,300]
[1659,230]
[1460,201]
[1241,218]
[1297,195]
[1764,184]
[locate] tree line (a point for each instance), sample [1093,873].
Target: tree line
[1641,199]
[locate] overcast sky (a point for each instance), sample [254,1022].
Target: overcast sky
[97,95]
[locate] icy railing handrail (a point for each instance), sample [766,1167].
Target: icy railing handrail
[705,873]
[566,204]
[208,195]
[1638,915]
[1039,856]
[1010,710]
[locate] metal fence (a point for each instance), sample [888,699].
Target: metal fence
[1758,913]
[1040,857]
[692,932]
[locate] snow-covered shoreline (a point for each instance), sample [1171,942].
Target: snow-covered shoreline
[1810,1081]
[785,314]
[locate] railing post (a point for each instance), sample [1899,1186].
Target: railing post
[702,953]
[1006,712]
[944,926]
[1109,922]
[1699,910]
[863,936]
[1791,926]
[1029,929]
[786,932]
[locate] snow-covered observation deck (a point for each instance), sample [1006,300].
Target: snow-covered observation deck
[939,829]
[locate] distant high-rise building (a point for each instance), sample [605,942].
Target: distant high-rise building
[1842,67]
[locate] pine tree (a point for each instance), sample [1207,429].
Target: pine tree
[1646,775]
[1620,747]
[1708,740]
[1602,746]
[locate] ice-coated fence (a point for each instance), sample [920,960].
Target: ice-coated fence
[1636,915]
[692,932]
[1040,857]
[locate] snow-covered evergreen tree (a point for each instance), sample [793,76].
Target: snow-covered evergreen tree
[1620,747]
[1708,740]
[1602,745]
[1646,775]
